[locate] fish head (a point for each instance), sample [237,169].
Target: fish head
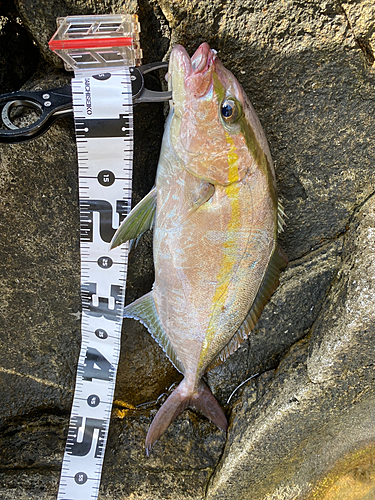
[214,129]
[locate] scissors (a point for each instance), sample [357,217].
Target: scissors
[55,103]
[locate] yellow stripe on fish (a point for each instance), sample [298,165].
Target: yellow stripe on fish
[232,160]
[229,259]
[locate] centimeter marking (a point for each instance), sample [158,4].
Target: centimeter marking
[103,116]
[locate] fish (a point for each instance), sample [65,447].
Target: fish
[215,216]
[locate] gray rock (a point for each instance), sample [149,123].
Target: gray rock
[303,427]
[313,426]
[15,40]
[39,261]
[361,17]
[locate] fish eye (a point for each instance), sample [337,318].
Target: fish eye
[229,110]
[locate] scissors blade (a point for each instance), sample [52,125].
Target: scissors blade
[139,91]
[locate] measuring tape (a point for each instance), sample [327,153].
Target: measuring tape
[103,117]
[104,132]
[100,49]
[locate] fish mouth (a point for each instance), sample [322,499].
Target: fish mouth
[200,62]
[191,73]
[202,58]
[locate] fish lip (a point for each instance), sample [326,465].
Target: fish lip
[200,62]
[202,58]
[191,75]
[179,59]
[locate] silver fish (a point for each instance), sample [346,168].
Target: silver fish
[216,218]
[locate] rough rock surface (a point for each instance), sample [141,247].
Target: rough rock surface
[302,427]
[317,416]
[15,40]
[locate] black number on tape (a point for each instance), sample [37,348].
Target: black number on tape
[101,334]
[106,178]
[96,366]
[105,262]
[93,400]
[80,478]
[102,76]
[106,231]
[82,448]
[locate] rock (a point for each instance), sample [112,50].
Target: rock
[361,17]
[40,280]
[15,40]
[312,428]
[302,427]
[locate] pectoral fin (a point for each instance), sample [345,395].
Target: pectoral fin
[138,220]
[204,193]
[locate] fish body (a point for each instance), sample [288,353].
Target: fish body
[216,219]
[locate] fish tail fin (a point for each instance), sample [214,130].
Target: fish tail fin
[176,403]
[201,399]
[204,401]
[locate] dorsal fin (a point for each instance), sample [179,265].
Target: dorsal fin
[281,215]
[144,310]
[137,221]
[269,284]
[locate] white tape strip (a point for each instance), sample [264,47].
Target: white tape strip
[103,115]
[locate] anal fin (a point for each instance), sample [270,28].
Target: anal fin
[144,310]
[281,215]
[269,284]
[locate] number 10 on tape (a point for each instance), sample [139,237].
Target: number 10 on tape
[103,117]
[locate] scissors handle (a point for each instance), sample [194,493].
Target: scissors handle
[50,104]
[139,91]
[55,103]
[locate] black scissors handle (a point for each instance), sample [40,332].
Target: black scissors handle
[54,103]
[139,91]
[49,104]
